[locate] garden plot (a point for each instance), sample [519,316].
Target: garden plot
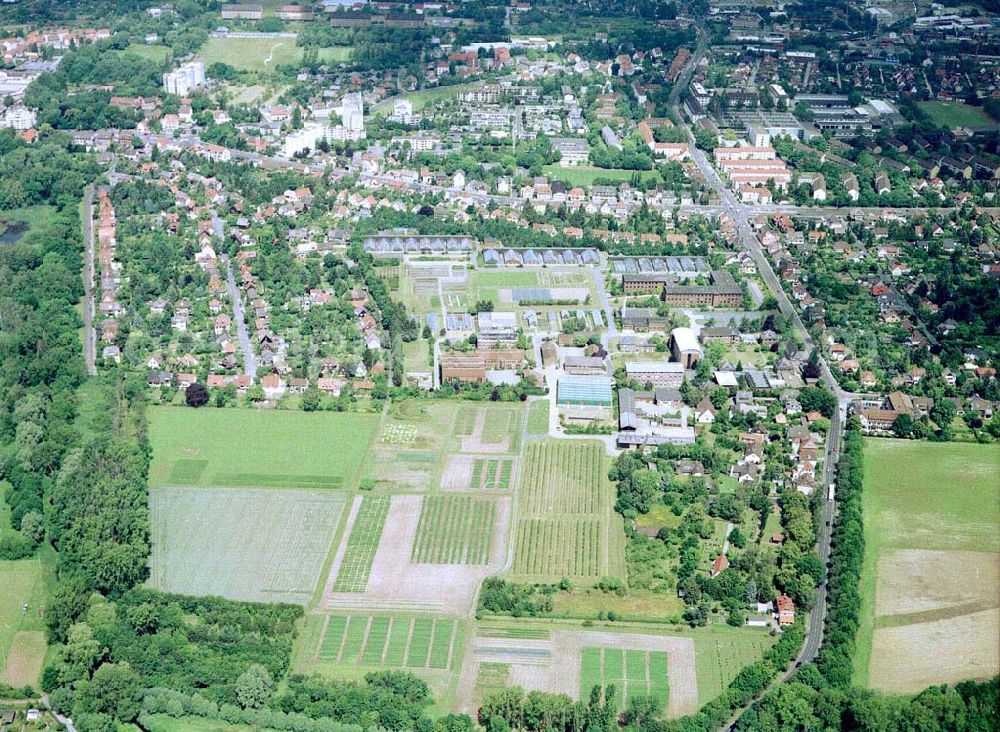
[241,543]
[565,525]
[398,583]
[478,474]
[571,662]
[376,641]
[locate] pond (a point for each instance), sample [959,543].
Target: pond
[12,231]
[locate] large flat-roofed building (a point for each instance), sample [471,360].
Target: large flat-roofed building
[574,151]
[669,374]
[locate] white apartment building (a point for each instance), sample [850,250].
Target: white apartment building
[18,118]
[184,79]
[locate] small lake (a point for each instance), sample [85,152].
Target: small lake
[11,231]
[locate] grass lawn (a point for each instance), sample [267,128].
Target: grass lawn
[154,53]
[416,356]
[585,175]
[250,54]
[424,97]
[165,723]
[22,630]
[245,447]
[954,114]
[336,54]
[538,417]
[930,522]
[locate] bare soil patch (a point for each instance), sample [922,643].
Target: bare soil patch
[457,475]
[475,442]
[908,658]
[921,580]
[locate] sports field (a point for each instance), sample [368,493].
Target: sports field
[565,526]
[954,114]
[931,579]
[22,630]
[242,543]
[245,447]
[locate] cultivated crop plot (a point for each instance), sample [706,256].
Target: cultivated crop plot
[572,662]
[434,567]
[362,543]
[454,530]
[565,527]
[399,641]
[633,673]
[258,448]
[478,474]
[931,579]
[241,543]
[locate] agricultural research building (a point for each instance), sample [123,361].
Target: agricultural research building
[658,373]
[584,397]
[723,291]
[182,80]
[242,12]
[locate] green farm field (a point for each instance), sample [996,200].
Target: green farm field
[244,448]
[417,439]
[565,525]
[954,114]
[254,544]
[454,530]
[931,578]
[338,642]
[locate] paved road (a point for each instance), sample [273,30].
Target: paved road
[239,317]
[89,334]
[741,215]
